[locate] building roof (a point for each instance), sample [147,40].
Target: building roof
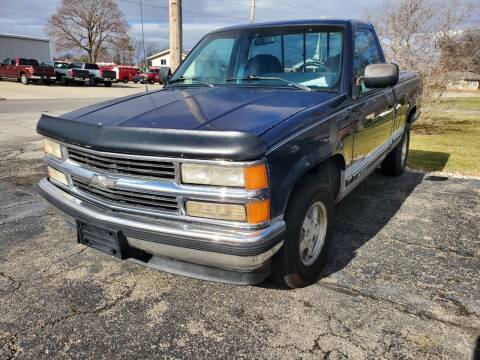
[161,53]
[24,37]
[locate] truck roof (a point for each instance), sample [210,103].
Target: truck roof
[304,22]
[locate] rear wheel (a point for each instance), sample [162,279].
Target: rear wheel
[107,83]
[92,81]
[396,162]
[309,218]
[64,81]
[24,79]
[151,81]
[125,80]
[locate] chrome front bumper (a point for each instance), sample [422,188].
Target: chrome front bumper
[186,248]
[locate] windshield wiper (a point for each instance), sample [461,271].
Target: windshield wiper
[182,78]
[254,78]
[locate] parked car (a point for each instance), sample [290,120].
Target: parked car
[65,74]
[231,172]
[26,71]
[151,76]
[97,75]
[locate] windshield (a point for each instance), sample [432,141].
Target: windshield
[281,57]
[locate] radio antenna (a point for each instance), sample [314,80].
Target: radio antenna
[143,41]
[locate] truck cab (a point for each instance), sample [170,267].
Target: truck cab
[25,71]
[231,172]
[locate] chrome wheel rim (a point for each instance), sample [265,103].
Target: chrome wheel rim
[404,150]
[313,233]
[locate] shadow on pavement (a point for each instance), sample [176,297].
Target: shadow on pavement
[362,214]
[365,212]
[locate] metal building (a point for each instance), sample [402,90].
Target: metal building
[18,46]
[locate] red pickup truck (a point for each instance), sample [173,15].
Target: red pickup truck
[26,71]
[152,75]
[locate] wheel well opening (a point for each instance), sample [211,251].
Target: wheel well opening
[410,115]
[329,171]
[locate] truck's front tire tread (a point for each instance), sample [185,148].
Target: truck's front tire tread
[287,267]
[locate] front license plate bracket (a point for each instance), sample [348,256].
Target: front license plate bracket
[109,241]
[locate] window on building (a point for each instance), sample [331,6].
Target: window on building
[163,62]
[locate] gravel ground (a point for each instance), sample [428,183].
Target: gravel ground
[403,283]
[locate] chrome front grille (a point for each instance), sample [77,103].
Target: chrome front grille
[120,165]
[133,199]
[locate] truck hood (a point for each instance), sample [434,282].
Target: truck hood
[245,109]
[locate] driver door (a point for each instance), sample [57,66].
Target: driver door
[372,111]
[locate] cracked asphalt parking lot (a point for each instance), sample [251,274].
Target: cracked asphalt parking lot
[402,283]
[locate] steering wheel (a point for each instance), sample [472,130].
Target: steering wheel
[314,63]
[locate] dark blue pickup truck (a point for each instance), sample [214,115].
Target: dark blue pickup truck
[231,172]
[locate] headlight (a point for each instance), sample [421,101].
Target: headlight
[253,213]
[57,176]
[52,148]
[250,177]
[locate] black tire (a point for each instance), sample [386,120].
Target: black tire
[107,83]
[47,82]
[63,81]
[396,162]
[151,81]
[92,81]
[79,83]
[24,79]
[288,268]
[125,80]
[135,81]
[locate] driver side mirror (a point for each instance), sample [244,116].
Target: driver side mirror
[165,75]
[381,75]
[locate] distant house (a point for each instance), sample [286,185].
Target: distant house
[162,58]
[464,80]
[19,46]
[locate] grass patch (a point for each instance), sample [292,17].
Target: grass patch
[448,141]
[460,103]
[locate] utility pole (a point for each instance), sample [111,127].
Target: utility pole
[175,25]
[252,12]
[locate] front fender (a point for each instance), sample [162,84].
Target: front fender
[289,160]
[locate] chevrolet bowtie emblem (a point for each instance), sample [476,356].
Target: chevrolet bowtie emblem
[102,181]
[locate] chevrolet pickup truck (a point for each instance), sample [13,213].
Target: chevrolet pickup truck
[96,75]
[231,172]
[26,71]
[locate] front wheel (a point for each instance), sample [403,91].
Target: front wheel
[125,80]
[107,83]
[309,218]
[24,79]
[396,162]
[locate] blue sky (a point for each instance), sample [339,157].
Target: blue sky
[27,17]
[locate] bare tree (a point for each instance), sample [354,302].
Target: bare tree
[462,53]
[413,33]
[93,26]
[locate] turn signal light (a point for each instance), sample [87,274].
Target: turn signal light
[258,211]
[256,177]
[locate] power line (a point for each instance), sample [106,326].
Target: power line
[188,11]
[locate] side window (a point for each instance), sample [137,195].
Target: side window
[6,62]
[366,52]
